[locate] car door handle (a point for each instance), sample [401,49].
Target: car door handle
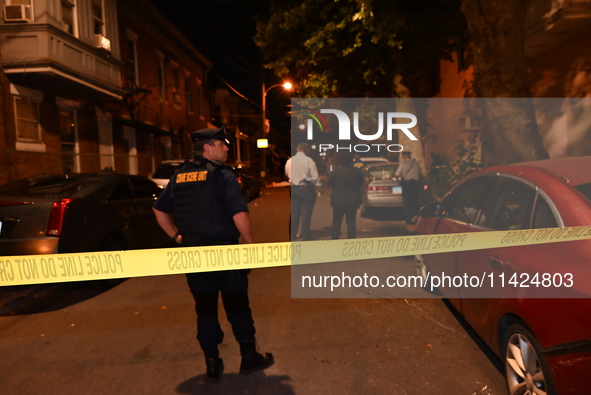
[495,263]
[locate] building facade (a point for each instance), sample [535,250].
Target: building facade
[165,88]
[91,85]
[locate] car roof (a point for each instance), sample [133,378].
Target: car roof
[573,169]
[373,159]
[53,185]
[381,164]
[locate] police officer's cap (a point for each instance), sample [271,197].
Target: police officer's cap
[208,134]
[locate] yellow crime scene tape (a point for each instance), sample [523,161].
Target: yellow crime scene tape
[67,267]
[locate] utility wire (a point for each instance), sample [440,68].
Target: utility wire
[236,91]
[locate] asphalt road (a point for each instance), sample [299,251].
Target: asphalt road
[137,336]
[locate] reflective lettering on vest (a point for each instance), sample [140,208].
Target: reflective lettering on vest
[193,176]
[198,209]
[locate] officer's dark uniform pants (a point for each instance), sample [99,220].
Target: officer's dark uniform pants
[303,198]
[233,285]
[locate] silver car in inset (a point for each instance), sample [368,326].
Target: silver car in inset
[382,188]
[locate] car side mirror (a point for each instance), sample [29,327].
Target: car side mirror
[431,210]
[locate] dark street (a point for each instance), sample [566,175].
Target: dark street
[138,337]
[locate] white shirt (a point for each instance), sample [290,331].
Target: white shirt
[301,169]
[409,170]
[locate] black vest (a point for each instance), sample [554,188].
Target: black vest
[198,208]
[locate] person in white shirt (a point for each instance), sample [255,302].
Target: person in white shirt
[409,172]
[303,177]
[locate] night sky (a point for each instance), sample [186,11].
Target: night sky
[222,30]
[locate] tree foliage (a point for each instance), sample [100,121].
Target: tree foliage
[392,48]
[497,31]
[360,48]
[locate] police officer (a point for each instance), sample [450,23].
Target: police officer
[202,205]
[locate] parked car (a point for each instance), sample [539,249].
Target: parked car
[543,334]
[248,180]
[369,160]
[165,170]
[382,188]
[49,214]
[359,162]
[249,183]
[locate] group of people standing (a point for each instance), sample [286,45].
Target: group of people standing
[346,182]
[345,199]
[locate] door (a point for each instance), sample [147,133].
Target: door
[509,207]
[460,210]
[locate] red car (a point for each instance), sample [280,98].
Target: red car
[539,325]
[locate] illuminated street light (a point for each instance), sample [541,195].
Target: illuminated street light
[286,85]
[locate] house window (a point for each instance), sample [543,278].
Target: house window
[67,119]
[27,120]
[188,93]
[132,65]
[161,76]
[98,17]
[175,84]
[200,96]
[69,16]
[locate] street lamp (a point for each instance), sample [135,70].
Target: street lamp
[288,87]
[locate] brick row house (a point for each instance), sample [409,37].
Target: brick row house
[90,85]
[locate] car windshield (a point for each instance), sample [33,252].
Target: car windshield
[166,170]
[585,189]
[48,186]
[385,172]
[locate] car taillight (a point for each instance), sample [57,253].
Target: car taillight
[56,218]
[376,189]
[425,187]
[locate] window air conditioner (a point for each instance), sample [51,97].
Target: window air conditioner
[470,123]
[102,42]
[17,13]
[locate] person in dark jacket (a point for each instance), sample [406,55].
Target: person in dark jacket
[201,206]
[409,172]
[346,182]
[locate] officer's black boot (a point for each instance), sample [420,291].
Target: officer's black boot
[214,364]
[251,359]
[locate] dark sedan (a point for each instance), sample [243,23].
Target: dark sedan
[79,212]
[249,182]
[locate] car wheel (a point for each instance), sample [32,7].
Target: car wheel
[525,368]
